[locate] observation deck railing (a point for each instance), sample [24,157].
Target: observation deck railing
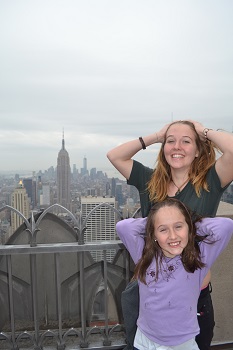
[105,336]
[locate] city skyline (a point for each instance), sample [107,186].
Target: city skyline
[106,72]
[28,173]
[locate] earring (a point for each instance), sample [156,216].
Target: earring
[155,240]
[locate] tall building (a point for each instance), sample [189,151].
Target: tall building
[63,177]
[119,194]
[93,173]
[19,201]
[113,187]
[85,164]
[101,226]
[30,186]
[84,170]
[45,195]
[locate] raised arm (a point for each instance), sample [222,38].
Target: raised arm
[131,232]
[224,141]
[121,156]
[219,231]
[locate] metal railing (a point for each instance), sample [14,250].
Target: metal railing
[83,335]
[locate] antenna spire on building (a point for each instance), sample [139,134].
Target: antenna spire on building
[63,139]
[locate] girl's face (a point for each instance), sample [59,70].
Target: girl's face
[180,147]
[171,231]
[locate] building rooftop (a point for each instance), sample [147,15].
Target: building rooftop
[225,209]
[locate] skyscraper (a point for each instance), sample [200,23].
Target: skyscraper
[30,186]
[85,164]
[84,170]
[101,224]
[19,201]
[63,177]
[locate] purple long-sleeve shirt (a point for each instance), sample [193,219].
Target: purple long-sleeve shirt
[168,306]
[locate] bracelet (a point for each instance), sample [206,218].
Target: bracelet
[205,131]
[142,142]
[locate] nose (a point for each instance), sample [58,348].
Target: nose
[177,145]
[172,234]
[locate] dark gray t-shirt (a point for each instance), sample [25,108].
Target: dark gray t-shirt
[205,205]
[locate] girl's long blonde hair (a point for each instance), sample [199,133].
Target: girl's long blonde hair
[161,177]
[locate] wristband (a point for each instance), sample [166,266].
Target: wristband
[142,142]
[205,131]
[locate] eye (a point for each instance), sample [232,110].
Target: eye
[170,141]
[178,227]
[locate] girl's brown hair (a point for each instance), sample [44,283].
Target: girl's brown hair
[190,255]
[161,177]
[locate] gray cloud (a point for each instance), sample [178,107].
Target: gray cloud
[108,71]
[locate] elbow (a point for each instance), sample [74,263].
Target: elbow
[109,156]
[124,225]
[113,159]
[120,228]
[225,224]
[230,224]
[120,224]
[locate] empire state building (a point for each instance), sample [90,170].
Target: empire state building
[63,177]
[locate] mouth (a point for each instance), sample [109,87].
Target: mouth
[174,244]
[177,156]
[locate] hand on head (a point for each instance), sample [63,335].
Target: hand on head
[199,129]
[162,132]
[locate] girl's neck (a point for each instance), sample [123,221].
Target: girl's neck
[179,177]
[178,182]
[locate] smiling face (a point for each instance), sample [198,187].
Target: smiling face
[180,148]
[171,231]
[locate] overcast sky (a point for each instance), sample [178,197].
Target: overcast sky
[108,71]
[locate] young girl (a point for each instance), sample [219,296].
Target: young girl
[172,256]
